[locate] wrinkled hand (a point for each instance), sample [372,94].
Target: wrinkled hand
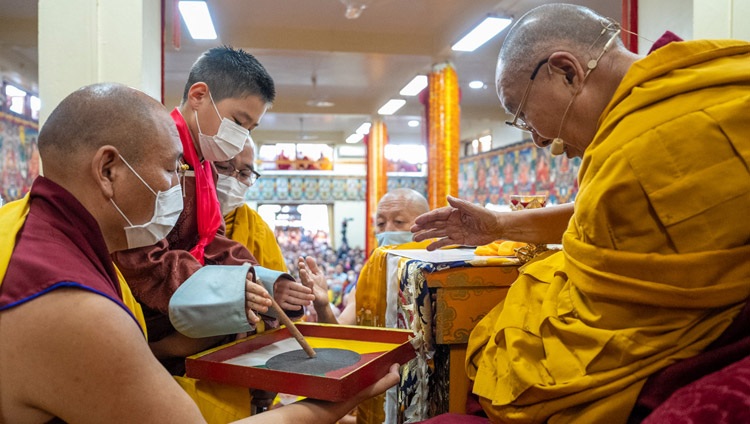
[461,223]
[291,295]
[315,279]
[257,299]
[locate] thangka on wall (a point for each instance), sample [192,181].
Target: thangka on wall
[518,169]
[20,156]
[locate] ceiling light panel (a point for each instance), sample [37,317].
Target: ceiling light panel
[197,19]
[391,106]
[482,33]
[415,86]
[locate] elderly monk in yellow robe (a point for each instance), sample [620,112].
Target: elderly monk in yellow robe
[654,265]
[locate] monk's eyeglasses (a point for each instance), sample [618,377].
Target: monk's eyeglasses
[517,121]
[247,176]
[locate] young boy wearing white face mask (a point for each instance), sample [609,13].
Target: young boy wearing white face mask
[225,97]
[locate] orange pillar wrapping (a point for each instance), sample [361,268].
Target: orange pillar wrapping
[377,181]
[443,135]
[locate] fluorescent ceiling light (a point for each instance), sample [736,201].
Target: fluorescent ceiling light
[197,19]
[413,123]
[482,33]
[364,128]
[476,84]
[414,86]
[354,138]
[391,106]
[485,138]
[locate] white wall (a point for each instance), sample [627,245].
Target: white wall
[657,16]
[82,42]
[693,19]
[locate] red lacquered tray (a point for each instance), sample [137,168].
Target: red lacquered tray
[378,349]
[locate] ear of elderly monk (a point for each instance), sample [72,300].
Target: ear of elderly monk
[73,347]
[654,264]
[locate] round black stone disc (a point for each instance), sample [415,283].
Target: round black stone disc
[326,360]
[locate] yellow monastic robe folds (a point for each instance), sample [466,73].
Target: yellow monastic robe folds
[655,261]
[245,226]
[372,283]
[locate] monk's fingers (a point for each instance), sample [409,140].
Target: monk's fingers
[441,243]
[252,317]
[292,305]
[305,278]
[312,264]
[255,302]
[440,214]
[433,233]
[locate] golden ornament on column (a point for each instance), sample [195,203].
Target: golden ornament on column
[443,135]
[377,181]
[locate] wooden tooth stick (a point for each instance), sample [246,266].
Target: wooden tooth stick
[293,329]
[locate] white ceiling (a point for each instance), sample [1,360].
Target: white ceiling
[359,64]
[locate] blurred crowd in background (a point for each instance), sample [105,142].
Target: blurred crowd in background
[342,266]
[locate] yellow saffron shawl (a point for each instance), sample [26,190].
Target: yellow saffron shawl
[246,227]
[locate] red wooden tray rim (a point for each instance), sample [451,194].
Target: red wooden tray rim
[336,386]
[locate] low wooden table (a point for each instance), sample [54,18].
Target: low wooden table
[442,298]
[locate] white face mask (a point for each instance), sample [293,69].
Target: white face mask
[167,208]
[387,238]
[231,193]
[228,141]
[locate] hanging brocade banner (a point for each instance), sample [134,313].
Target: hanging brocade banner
[444,116]
[377,180]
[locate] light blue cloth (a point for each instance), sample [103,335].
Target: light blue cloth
[212,301]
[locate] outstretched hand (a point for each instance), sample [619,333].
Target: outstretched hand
[315,279]
[461,223]
[291,295]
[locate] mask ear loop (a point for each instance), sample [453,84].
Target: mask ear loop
[558,144]
[121,214]
[136,174]
[214,104]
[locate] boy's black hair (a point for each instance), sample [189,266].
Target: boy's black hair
[231,73]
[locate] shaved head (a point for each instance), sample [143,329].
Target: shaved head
[398,209]
[411,199]
[543,30]
[97,115]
